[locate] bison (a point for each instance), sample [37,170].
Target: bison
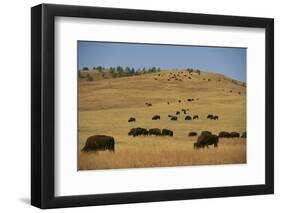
[174,118]
[156,117]
[148,104]
[154,131]
[234,135]
[99,143]
[187,117]
[131,119]
[215,117]
[206,140]
[192,134]
[206,132]
[138,131]
[224,134]
[177,112]
[167,132]
[195,117]
[209,116]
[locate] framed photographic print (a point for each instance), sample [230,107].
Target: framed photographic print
[139,106]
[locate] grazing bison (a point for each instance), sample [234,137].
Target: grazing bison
[195,117]
[168,102]
[174,118]
[138,131]
[234,135]
[99,143]
[209,116]
[167,132]
[154,131]
[206,140]
[179,101]
[215,117]
[192,134]
[230,91]
[184,111]
[131,119]
[190,99]
[206,133]
[177,112]
[224,134]
[244,135]
[156,117]
[187,117]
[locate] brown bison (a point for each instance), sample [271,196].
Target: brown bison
[195,117]
[174,118]
[156,117]
[154,131]
[177,112]
[167,132]
[187,117]
[191,134]
[224,134]
[138,131]
[234,135]
[215,117]
[209,116]
[206,140]
[131,119]
[99,143]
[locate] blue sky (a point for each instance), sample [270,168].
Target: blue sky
[228,61]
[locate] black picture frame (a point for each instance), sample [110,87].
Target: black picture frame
[43,102]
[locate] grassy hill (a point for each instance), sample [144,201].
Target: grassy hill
[106,103]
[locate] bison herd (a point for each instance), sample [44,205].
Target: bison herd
[212,117]
[205,139]
[154,131]
[175,118]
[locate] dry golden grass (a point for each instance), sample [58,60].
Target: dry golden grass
[167,153]
[106,105]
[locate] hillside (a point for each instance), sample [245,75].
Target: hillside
[106,103]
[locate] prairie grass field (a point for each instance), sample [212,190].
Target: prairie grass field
[105,105]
